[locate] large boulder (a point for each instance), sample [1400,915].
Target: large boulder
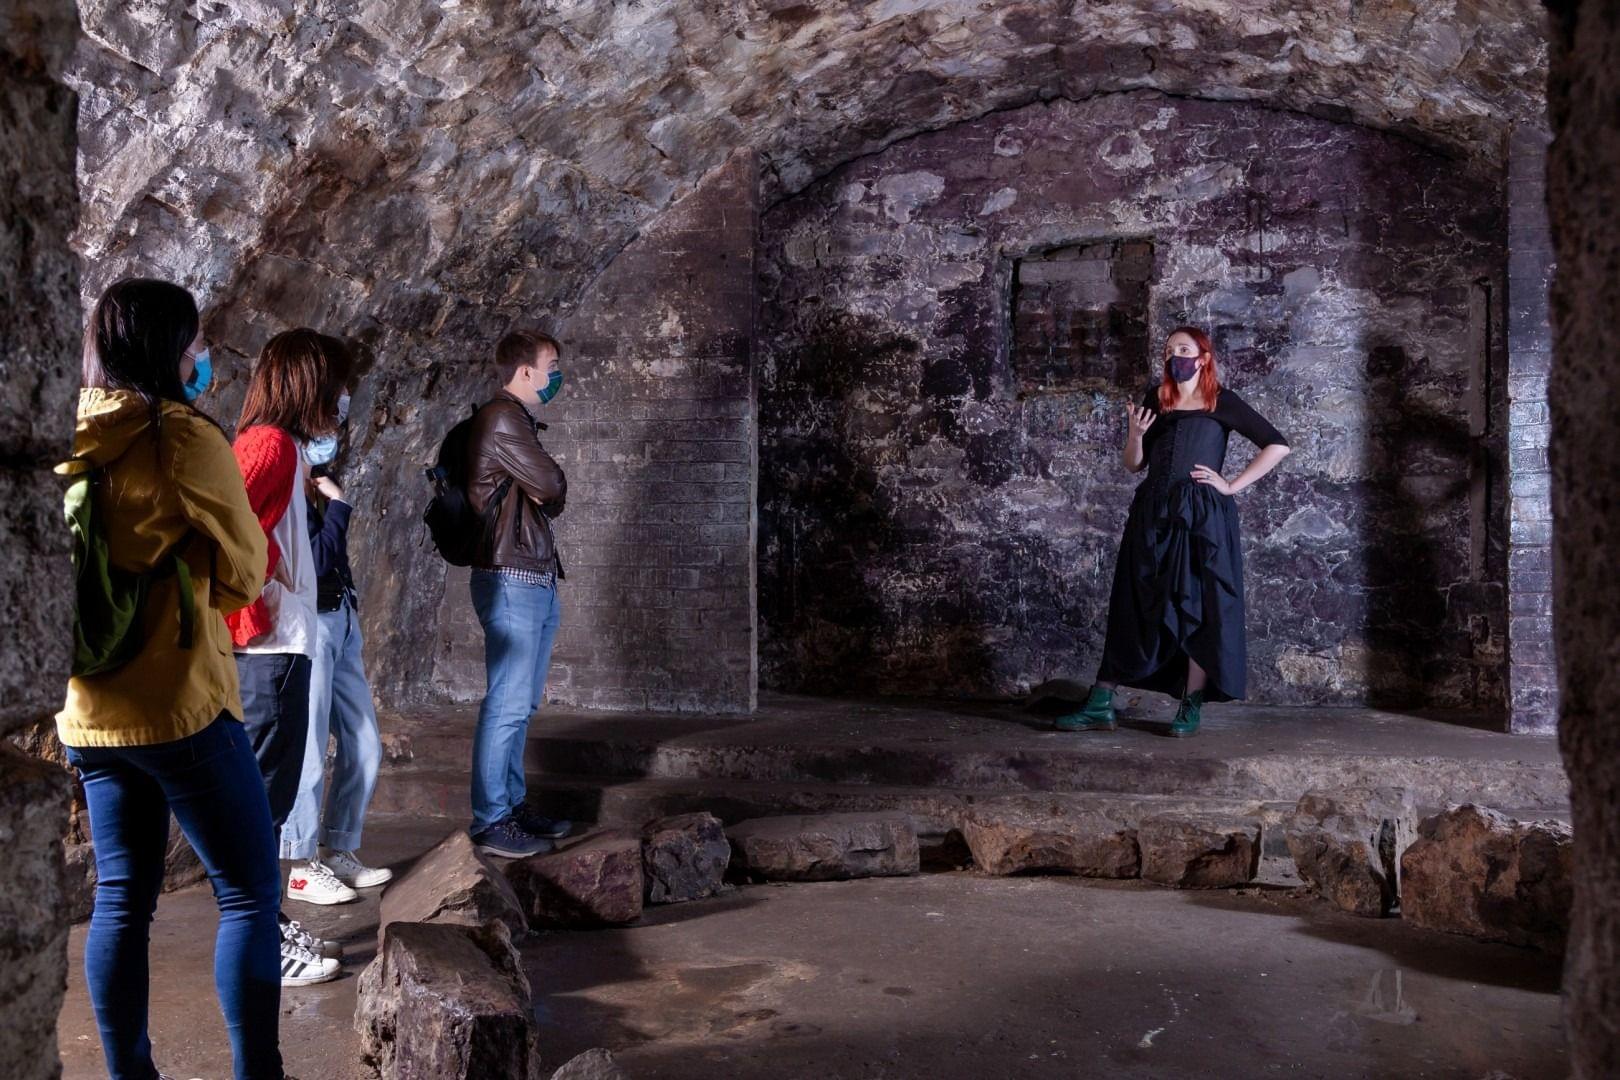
[80,892]
[1012,839]
[33,931]
[1197,852]
[825,847]
[593,880]
[684,858]
[181,866]
[444,1001]
[1347,845]
[1474,871]
[595,1064]
[456,883]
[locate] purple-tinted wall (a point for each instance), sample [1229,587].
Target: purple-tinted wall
[939,512]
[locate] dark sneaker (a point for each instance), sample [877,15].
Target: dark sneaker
[535,823]
[508,840]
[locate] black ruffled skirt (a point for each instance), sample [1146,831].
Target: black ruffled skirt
[1178,593]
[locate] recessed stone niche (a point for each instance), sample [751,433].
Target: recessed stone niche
[1080,316]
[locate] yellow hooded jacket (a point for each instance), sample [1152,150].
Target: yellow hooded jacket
[164,486]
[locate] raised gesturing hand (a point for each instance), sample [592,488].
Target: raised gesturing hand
[1140,419]
[328,487]
[1203,474]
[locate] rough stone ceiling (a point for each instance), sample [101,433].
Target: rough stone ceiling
[503,151]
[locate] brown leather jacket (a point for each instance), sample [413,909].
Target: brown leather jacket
[505,444]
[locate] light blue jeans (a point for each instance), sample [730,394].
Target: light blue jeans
[339,705]
[520,626]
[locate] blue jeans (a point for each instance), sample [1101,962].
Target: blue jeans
[339,705]
[520,625]
[275,715]
[210,781]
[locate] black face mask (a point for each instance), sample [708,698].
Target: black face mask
[1183,368]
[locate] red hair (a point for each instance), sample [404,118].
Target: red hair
[1209,383]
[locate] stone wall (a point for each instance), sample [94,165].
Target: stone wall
[1584,105]
[655,428]
[39,351]
[418,177]
[941,499]
[1533,704]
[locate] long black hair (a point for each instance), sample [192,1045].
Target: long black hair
[138,333]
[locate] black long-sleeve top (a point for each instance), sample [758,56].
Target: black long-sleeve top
[329,540]
[1182,438]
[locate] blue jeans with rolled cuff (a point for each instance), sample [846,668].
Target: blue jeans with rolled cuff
[340,706]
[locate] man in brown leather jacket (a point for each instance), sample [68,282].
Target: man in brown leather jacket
[515,582]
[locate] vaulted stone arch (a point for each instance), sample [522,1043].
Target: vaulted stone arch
[420,177]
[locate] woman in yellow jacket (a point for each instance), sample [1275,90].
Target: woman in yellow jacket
[160,732]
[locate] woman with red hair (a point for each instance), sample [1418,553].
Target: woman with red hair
[1175,616]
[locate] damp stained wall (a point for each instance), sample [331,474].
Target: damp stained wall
[940,514]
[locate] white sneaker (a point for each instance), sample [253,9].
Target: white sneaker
[314,883]
[293,932]
[351,871]
[302,967]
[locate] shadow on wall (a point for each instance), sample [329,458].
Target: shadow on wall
[830,534]
[1419,459]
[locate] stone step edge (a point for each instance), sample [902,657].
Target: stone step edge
[789,763]
[722,787]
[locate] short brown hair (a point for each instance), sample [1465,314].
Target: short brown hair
[296,384]
[520,347]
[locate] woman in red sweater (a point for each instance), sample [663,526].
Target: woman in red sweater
[292,398]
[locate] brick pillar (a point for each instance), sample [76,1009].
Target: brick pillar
[1532,672]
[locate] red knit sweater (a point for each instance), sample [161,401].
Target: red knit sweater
[268,458]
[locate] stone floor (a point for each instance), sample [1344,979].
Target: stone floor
[949,974]
[946,975]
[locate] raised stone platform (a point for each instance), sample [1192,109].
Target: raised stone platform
[938,760]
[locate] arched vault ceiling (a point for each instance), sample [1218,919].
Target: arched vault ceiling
[503,151]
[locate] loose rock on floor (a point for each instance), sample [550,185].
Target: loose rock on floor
[593,880]
[1009,840]
[447,1002]
[684,858]
[454,882]
[1198,853]
[825,847]
[1475,871]
[1347,846]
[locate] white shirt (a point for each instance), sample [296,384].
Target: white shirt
[289,595]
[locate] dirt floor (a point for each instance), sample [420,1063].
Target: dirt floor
[945,975]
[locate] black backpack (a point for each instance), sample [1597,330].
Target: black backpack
[457,530]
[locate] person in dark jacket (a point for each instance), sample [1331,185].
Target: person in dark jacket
[515,582]
[323,834]
[1175,616]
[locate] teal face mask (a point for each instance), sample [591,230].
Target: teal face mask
[552,387]
[202,376]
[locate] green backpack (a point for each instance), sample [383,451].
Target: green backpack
[107,605]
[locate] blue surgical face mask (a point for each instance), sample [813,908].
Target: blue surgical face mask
[553,385]
[202,376]
[321,450]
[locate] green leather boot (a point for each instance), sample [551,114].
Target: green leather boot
[1186,721]
[1098,714]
